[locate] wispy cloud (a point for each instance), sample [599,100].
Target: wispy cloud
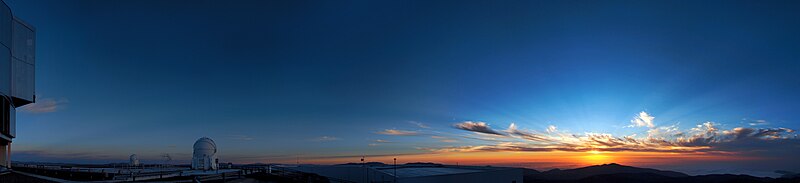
[512,129]
[45,105]
[419,124]
[756,122]
[480,127]
[398,132]
[325,139]
[379,142]
[642,120]
[445,139]
[551,129]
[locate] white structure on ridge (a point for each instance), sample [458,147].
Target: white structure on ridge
[204,156]
[134,160]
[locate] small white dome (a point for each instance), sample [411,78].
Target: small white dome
[134,160]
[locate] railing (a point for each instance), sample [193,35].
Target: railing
[94,174]
[67,174]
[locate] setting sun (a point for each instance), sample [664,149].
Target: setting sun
[597,157]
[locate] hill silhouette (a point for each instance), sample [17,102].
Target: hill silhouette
[613,168]
[616,173]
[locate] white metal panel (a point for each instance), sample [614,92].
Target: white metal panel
[24,40]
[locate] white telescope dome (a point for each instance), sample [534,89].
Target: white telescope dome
[204,156]
[205,146]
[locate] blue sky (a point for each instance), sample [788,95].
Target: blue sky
[271,80]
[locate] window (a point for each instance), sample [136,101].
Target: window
[5,117]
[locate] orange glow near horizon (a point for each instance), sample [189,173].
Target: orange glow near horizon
[540,160]
[596,157]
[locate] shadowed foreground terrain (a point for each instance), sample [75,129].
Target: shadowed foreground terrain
[16,177]
[616,173]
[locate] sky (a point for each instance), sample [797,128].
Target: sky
[695,86]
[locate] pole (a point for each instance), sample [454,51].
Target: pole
[366,175]
[395,170]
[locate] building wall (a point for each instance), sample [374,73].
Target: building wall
[5,84]
[17,88]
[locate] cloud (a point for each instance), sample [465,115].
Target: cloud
[45,105]
[325,139]
[379,142]
[664,131]
[551,129]
[445,139]
[419,124]
[512,129]
[480,127]
[449,140]
[643,119]
[707,137]
[757,122]
[718,142]
[240,137]
[397,132]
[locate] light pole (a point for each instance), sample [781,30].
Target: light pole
[395,170]
[366,172]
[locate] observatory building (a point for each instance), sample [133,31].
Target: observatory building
[204,156]
[17,41]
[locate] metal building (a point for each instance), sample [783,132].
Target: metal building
[17,60]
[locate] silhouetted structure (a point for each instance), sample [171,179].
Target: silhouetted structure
[16,75]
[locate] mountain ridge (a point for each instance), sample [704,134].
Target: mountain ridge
[616,173]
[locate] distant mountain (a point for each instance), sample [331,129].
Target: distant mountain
[615,173]
[530,172]
[361,164]
[787,174]
[724,178]
[613,168]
